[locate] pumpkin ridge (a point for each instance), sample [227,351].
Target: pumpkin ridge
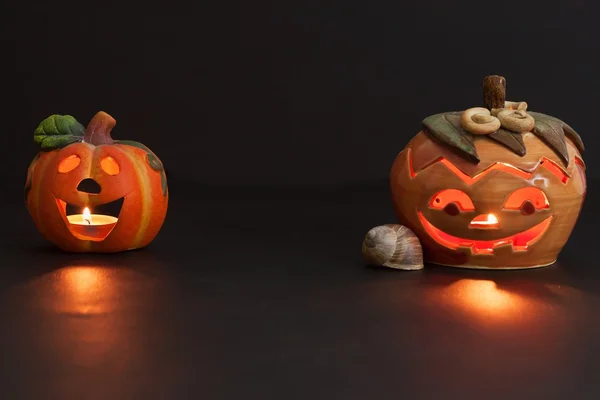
[146,197]
[155,165]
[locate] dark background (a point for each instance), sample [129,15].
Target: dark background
[290,92]
[278,123]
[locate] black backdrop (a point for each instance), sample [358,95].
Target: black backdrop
[263,291]
[289,92]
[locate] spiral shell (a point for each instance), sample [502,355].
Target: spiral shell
[393,246]
[510,105]
[479,121]
[516,120]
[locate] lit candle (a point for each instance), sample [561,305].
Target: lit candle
[484,221]
[87,216]
[90,226]
[491,219]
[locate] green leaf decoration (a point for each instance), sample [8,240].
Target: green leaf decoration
[58,131]
[512,140]
[551,132]
[30,176]
[152,159]
[570,132]
[446,129]
[154,162]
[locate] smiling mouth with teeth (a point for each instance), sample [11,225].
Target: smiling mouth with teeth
[519,241]
[96,226]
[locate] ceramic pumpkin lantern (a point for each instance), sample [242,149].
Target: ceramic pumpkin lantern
[498,187]
[89,193]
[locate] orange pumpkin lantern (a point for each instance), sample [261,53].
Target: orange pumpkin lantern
[496,188]
[89,193]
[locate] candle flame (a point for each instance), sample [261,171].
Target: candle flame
[491,220]
[87,216]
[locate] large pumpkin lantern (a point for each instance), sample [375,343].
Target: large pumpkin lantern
[498,187]
[89,193]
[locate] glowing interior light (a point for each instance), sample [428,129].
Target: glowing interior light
[87,216]
[490,220]
[546,163]
[519,241]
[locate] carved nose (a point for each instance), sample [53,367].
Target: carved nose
[89,185]
[484,221]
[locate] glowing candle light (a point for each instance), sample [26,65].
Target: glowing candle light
[87,216]
[484,221]
[491,220]
[88,226]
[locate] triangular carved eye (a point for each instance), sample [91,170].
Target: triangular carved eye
[452,201]
[528,200]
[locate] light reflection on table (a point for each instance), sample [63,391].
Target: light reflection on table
[500,299]
[82,290]
[87,313]
[483,298]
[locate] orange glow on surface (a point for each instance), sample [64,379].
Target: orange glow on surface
[86,299]
[535,195]
[580,162]
[445,197]
[550,165]
[110,166]
[84,289]
[69,164]
[92,315]
[484,221]
[483,297]
[82,280]
[554,169]
[519,241]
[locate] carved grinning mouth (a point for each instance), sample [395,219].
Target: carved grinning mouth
[519,241]
[103,220]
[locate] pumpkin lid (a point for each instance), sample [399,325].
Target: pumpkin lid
[502,121]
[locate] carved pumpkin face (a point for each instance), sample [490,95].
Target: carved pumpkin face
[505,211]
[120,179]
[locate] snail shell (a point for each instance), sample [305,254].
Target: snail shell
[393,246]
[516,120]
[479,121]
[511,105]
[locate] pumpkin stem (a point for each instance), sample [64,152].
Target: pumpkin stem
[98,130]
[494,91]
